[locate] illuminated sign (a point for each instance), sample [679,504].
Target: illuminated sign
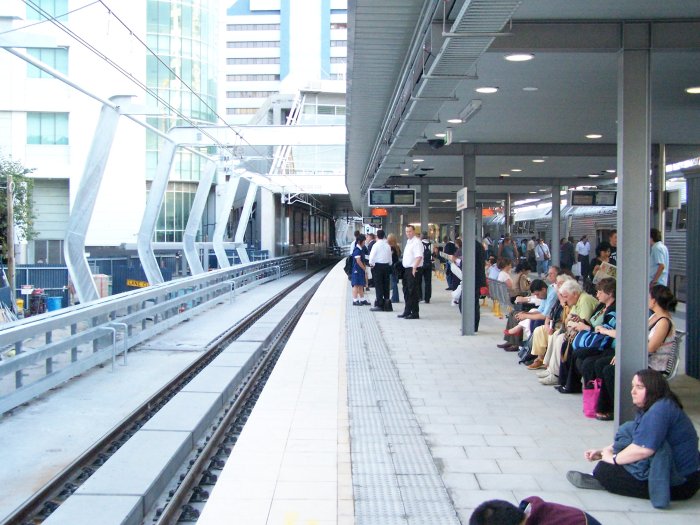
[593,198]
[379,212]
[136,284]
[391,197]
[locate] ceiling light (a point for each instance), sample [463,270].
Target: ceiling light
[418,160]
[505,174]
[538,160]
[594,136]
[533,192]
[610,171]
[405,169]
[695,90]
[516,170]
[447,200]
[486,89]
[441,135]
[530,88]
[593,175]
[519,57]
[454,120]
[544,189]
[468,112]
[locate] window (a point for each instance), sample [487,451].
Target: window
[246,78]
[253,43]
[48,252]
[337,76]
[249,94]
[241,111]
[57,58]
[339,60]
[668,226]
[682,218]
[339,43]
[339,25]
[252,27]
[47,128]
[50,7]
[236,61]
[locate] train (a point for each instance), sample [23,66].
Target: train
[597,223]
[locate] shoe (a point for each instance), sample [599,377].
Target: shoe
[583,481]
[537,364]
[412,316]
[427,301]
[604,417]
[365,303]
[402,315]
[356,304]
[543,373]
[549,380]
[564,390]
[512,348]
[504,345]
[376,309]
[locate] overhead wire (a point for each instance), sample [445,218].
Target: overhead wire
[46,20]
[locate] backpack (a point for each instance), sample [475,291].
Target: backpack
[427,255]
[348,265]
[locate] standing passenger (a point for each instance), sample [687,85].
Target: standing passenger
[380,261]
[359,270]
[449,250]
[395,267]
[542,256]
[583,249]
[568,257]
[427,281]
[412,262]
[658,260]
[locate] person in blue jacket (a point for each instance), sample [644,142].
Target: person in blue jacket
[358,276]
[655,456]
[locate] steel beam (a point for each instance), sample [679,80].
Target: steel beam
[489,149]
[84,203]
[243,222]
[468,249]
[556,224]
[633,164]
[195,219]
[222,221]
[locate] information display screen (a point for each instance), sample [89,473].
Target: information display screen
[593,198]
[392,197]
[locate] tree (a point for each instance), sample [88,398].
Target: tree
[22,201]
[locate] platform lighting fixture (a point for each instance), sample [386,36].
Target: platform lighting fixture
[530,88]
[610,171]
[593,175]
[468,112]
[533,193]
[694,90]
[505,174]
[486,89]
[516,170]
[441,135]
[594,136]
[519,57]
[418,160]
[538,161]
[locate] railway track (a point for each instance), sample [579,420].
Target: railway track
[186,492]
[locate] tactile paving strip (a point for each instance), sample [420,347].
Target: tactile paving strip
[395,480]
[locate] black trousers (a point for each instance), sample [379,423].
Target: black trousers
[606,400]
[427,284]
[411,291]
[574,367]
[588,365]
[617,480]
[382,283]
[585,264]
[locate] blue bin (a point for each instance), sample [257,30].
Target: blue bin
[53,303]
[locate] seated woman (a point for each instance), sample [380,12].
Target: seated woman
[593,339]
[653,457]
[602,252]
[660,345]
[521,286]
[492,268]
[505,266]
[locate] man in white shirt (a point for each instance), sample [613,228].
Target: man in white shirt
[542,256]
[583,249]
[658,260]
[412,262]
[380,261]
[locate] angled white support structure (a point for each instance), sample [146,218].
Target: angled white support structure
[222,220]
[84,204]
[195,219]
[243,222]
[150,214]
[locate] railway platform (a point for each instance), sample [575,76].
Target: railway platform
[367,418]
[372,419]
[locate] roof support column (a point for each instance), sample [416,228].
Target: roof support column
[658,187]
[633,162]
[508,211]
[479,218]
[469,297]
[692,343]
[556,223]
[424,206]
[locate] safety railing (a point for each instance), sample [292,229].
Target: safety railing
[41,352]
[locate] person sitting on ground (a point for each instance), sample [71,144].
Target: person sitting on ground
[653,457]
[532,511]
[661,335]
[518,331]
[580,308]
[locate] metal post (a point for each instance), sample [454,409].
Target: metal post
[556,223]
[507,214]
[424,206]
[468,248]
[692,343]
[10,236]
[658,187]
[633,161]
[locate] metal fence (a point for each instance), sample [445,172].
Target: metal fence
[43,351]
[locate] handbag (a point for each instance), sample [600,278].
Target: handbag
[591,393]
[591,339]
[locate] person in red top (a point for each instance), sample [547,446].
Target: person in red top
[532,511]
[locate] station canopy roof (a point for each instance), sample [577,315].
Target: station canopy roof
[415,64]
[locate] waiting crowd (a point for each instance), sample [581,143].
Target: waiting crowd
[564,328]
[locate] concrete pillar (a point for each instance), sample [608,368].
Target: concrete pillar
[556,223]
[658,187]
[692,342]
[507,214]
[266,212]
[468,253]
[479,222]
[424,206]
[633,163]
